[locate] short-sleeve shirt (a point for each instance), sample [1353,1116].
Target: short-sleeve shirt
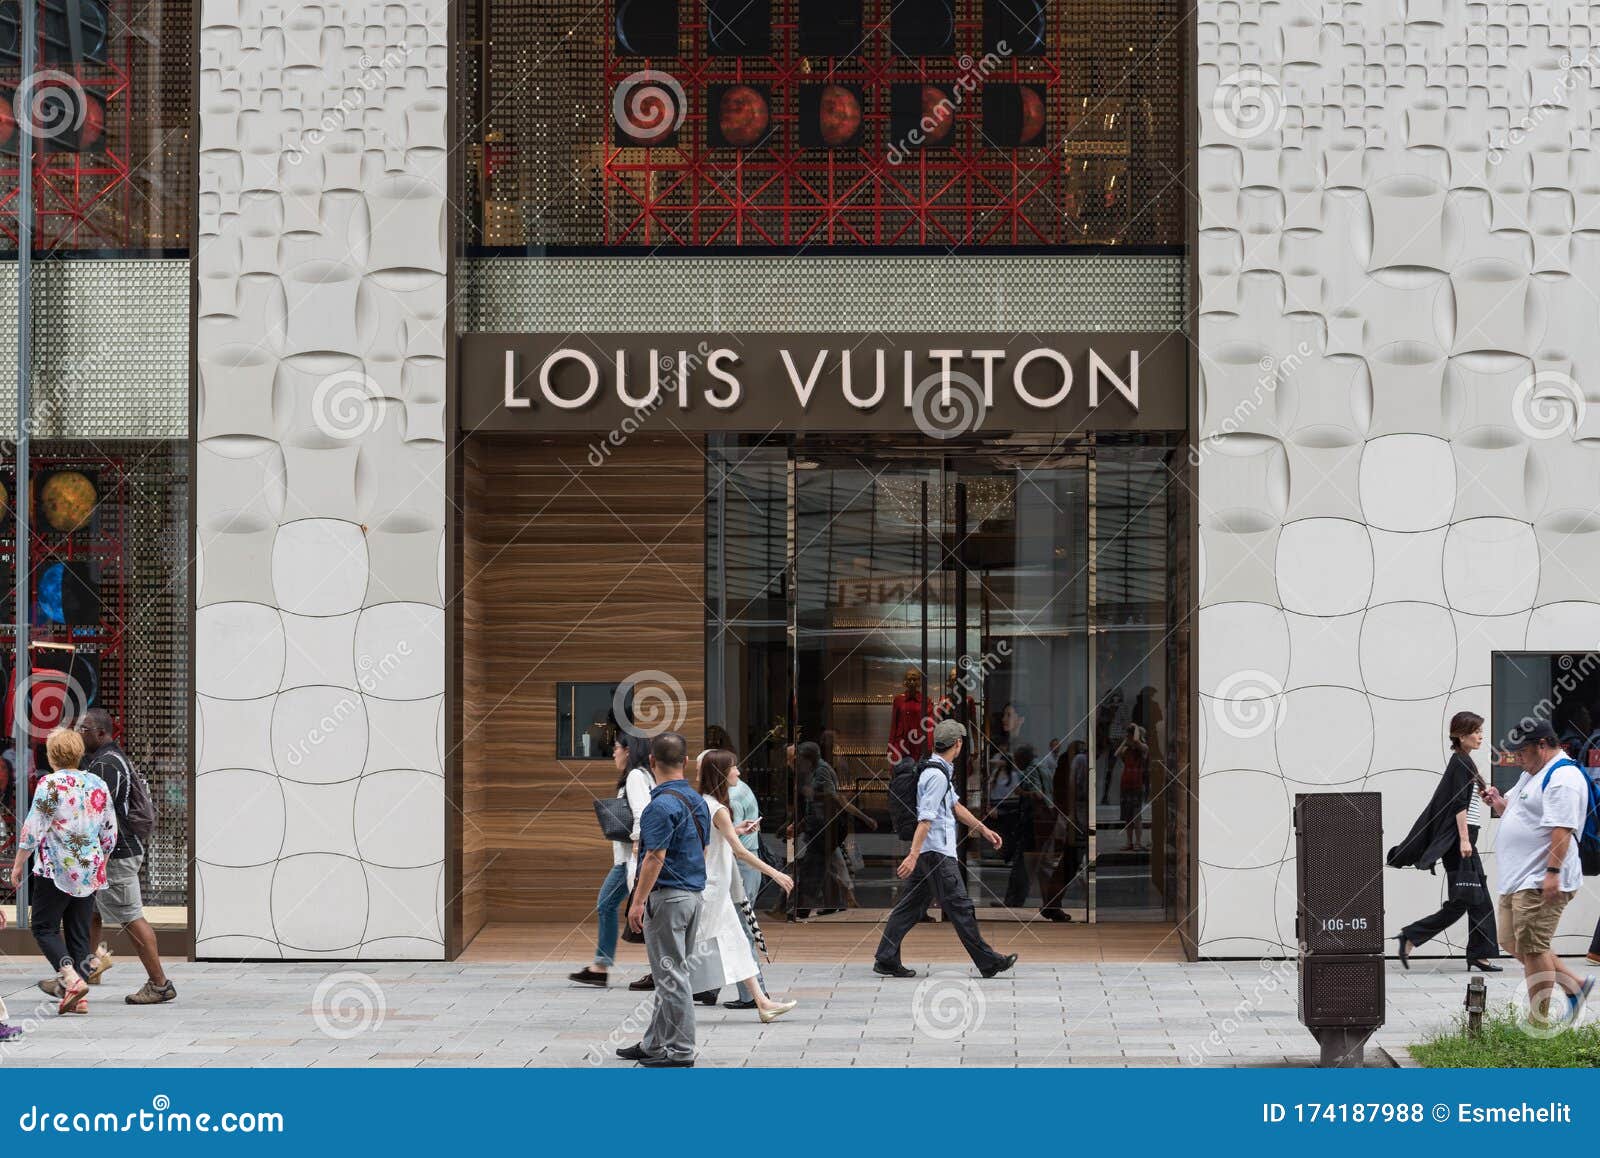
[1533,812]
[669,822]
[112,765]
[744,806]
[936,802]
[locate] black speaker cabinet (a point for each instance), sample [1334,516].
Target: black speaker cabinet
[1338,991]
[1338,839]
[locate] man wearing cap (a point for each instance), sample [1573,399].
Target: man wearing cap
[1539,869]
[930,869]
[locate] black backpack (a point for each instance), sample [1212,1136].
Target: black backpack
[141,808]
[903,794]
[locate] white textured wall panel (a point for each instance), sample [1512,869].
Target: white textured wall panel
[1399,332]
[319,629]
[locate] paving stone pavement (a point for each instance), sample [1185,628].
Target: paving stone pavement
[434,1014]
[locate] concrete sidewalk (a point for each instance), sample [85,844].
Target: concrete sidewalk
[311,1014]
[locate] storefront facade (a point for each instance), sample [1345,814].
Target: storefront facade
[543,348]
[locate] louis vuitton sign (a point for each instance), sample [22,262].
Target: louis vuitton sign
[941,385]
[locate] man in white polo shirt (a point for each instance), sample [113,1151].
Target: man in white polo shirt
[1537,851]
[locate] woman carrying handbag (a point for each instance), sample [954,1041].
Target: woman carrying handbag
[1447,831]
[619,816]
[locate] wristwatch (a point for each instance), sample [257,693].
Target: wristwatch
[1548,869]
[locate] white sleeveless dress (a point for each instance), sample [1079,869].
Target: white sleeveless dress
[722,955]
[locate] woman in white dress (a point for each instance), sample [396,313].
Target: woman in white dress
[723,955]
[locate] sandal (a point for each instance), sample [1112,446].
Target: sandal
[102,965]
[74,999]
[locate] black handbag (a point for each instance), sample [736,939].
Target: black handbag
[1467,881]
[627,932]
[615,817]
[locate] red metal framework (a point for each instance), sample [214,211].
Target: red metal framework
[90,200]
[102,542]
[1072,188]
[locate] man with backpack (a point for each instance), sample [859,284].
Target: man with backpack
[674,830]
[1542,822]
[120,902]
[930,869]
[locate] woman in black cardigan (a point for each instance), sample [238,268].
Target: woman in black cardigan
[1447,830]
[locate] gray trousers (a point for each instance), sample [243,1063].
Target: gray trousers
[670,918]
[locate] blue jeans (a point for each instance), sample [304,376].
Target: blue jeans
[751,879]
[613,891]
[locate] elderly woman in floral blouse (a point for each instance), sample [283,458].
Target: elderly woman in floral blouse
[71,829]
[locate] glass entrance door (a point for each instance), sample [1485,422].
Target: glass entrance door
[868,626]
[859,589]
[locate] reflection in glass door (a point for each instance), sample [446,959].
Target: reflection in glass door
[858,589]
[865,619]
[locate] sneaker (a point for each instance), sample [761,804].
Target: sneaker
[1000,966]
[10,1032]
[1576,1001]
[51,986]
[885,969]
[152,994]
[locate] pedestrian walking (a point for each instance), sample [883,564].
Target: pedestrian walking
[71,829]
[1539,868]
[931,870]
[726,948]
[1447,831]
[673,834]
[121,902]
[631,755]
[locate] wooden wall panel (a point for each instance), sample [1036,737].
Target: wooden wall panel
[570,572]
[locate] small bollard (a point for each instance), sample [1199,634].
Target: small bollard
[1477,1001]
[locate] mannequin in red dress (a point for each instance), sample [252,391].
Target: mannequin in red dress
[910,728]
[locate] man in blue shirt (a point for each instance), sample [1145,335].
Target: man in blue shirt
[930,869]
[673,832]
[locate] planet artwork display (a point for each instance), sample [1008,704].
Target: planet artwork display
[743,116]
[1032,115]
[67,501]
[838,115]
[938,114]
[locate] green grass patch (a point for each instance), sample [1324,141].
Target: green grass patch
[1504,1044]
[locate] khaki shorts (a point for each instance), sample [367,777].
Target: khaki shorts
[120,901]
[1526,921]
